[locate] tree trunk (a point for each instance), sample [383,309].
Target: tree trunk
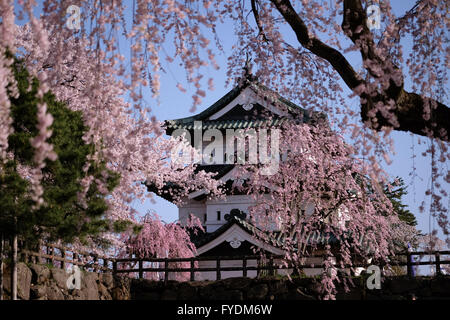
[1,266]
[14,268]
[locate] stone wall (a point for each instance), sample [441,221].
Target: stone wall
[398,288]
[38,282]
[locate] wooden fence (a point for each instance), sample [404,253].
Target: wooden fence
[262,264]
[268,264]
[437,261]
[63,256]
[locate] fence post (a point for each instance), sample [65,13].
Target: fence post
[244,266]
[141,273]
[53,256]
[1,265]
[49,253]
[271,266]
[166,270]
[114,263]
[95,264]
[258,264]
[218,275]
[40,251]
[408,264]
[438,263]
[63,256]
[192,270]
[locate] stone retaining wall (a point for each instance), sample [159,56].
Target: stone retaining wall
[39,282]
[399,288]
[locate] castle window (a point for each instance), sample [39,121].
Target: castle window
[205,217]
[218,215]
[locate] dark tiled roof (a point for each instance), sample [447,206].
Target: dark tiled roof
[188,122]
[203,238]
[164,192]
[225,124]
[273,238]
[218,105]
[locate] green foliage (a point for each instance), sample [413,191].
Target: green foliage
[14,201]
[63,216]
[395,196]
[123,225]
[137,228]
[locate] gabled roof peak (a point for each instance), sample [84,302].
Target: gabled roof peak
[266,95]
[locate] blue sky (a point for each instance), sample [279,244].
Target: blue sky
[173,104]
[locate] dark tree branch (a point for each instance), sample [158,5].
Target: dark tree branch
[320,49]
[409,106]
[258,20]
[411,12]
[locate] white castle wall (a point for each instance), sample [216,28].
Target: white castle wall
[211,207]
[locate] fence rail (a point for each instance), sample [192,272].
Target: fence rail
[61,256]
[437,261]
[270,264]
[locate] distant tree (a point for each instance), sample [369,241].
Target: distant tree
[398,190]
[152,238]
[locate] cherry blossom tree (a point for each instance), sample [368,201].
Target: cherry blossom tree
[299,48]
[321,189]
[123,137]
[156,239]
[430,243]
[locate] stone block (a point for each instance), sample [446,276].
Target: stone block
[258,292]
[54,292]
[169,294]
[40,274]
[60,276]
[24,277]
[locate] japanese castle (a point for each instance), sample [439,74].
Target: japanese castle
[228,232]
